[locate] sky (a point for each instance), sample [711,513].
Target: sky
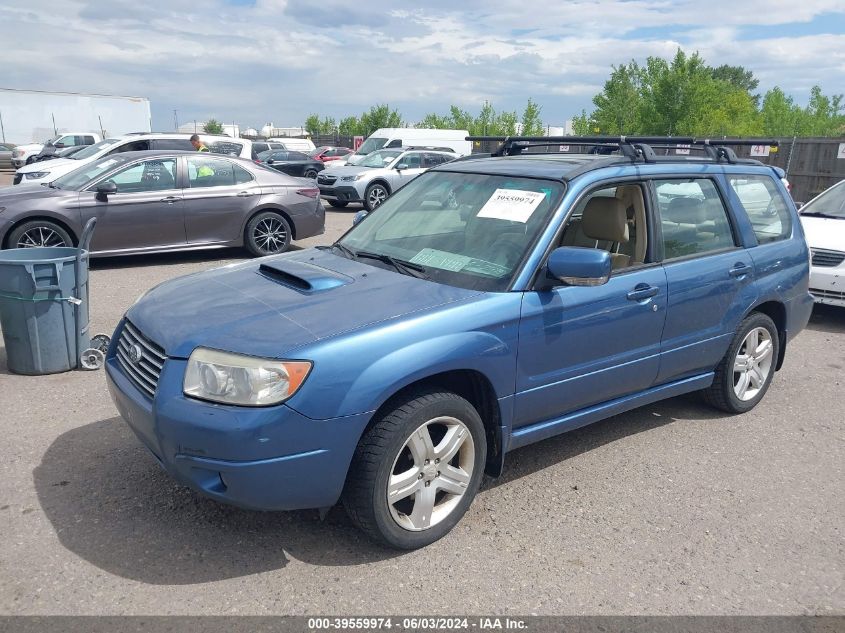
[259,61]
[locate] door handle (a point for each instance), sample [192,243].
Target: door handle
[245,194]
[642,291]
[739,270]
[169,199]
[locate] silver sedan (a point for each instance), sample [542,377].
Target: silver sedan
[158,201]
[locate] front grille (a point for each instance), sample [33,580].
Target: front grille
[17,179]
[326,180]
[827,294]
[145,370]
[827,259]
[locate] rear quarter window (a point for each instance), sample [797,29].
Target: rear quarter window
[764,205]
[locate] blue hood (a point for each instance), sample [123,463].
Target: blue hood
[269,306]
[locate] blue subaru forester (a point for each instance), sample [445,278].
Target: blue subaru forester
[490,303]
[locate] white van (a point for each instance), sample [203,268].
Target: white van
[389,137]
[295,144]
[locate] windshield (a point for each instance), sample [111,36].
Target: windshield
[96,148]
[371,145]
[78,178]
[380,159]
[831,202]
[465,230]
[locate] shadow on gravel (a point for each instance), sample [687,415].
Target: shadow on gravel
[171,259]
[111,504]
[827,318]
[530,459]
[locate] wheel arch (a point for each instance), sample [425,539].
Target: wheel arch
[379,181]
[473,386]
[46,218]
[776,311]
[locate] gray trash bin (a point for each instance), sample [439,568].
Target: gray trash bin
[44,306]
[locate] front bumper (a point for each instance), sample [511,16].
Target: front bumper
[827,285]
[271,458]
[341,194]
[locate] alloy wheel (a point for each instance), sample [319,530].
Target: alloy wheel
[753,363]
[431,473]
[377,195]
[270,235]
[40,237]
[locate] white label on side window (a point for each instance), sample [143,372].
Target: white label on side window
[511,204]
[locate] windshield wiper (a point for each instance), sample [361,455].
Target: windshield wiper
[821,214]
[345,250]
[401,266]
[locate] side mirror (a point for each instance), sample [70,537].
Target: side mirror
[401,166]
[59,145]
[106,188]
[359,217]
[578,266]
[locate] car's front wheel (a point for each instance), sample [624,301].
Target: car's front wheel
[375,195]
[268,233]
[416,470]
[745,373]
[39,234]
[311,173]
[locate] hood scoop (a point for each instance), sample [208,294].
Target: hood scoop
[301,276]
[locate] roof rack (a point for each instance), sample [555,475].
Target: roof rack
[636,148]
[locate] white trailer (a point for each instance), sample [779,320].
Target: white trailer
[33,116]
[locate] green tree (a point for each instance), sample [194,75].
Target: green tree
[379,116]
[434,121]
[213,126]
[582,124]
[619,104]
[349,126]
[738,77]
[532,124]
[780,115]
[312,124]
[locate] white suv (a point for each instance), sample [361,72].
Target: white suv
[377,176]
[25,154]
[44,172]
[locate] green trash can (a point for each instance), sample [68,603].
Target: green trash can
[44,307]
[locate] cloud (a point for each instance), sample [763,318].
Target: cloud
[279,60]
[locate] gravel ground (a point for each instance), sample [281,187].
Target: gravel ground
[670,509]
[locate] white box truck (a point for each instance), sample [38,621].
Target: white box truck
[389,137]
[32,116]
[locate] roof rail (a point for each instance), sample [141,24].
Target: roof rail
[636,148]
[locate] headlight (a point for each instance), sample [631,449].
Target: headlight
[350,178]
[36,174]
[244,380]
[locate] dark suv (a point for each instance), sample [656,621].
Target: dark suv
[489,303]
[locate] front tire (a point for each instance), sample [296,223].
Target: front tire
[745,373]
[311,173]
[268,233]
[39,233]
[416,470]
[375,195]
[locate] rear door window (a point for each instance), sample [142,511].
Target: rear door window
[173,144]
[205,171]
[693,218]
[764,205]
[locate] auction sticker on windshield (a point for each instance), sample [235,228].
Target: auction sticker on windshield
[511,204]
[441,259]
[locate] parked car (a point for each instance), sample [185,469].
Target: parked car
[6,150]
[64,152]
[823,219]
[488,304]
[26,154]
[158,201]
[291,163]
[47,172]
[329,154]
[304,145]
[377,177]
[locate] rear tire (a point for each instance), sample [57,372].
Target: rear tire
[416,470]
[338,204]
[268,233]
[39,233]
[743,376]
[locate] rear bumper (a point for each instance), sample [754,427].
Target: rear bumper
[269,458]
[827,285]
